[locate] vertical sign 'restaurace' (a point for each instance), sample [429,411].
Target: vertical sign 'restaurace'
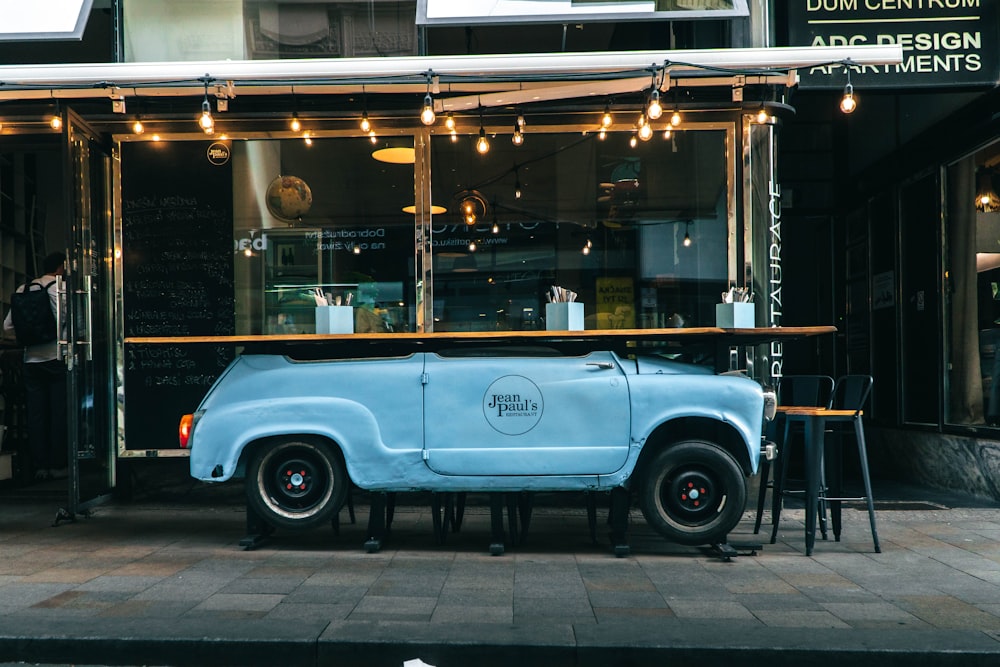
[774,273]
[945,42]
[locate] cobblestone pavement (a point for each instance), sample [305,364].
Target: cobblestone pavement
[163,581]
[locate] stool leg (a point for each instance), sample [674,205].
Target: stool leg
[833,482]
[814,455]
[863,455]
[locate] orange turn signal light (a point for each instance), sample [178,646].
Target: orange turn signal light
[184,430]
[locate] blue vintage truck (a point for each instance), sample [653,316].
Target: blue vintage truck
[680,437]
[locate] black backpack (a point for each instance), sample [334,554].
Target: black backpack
[32,316]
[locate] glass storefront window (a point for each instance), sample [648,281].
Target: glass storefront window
[973,229]
[638,233]
[348,241]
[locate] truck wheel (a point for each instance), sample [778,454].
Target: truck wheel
[296,483]
[693,493]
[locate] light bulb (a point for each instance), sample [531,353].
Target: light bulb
[449,121]
[606,119]
[495,228]
[687,240]
[666,133]
[372,137]
[137,127]
[520,121]
[294,123]
[56,122]
[518,137]
[517,191]
[366,125]
[308,139]
[654,110]
[675,119]
[848,104]
[482,144]
[472,246]
[586,250]
[206,121]
[454,137]
[645,132]
[642,119]
[633,141]
[603,134]
[427,115]
[762,115]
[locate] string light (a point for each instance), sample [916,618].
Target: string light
[633,141]
[847,103]
[645,129]
[449,122]
[307,138]
[606,118]
[137,126]
[482,144]
[654,110]
[56,121]
[602,134]
[687,235]
[518,137]
[295,124]
[666,133]
[427,115]
[205,121]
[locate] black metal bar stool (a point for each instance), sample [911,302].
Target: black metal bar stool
[797,390]
[849,395]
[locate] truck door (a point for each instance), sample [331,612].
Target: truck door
[525,415]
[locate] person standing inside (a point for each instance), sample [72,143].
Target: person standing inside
[45,383]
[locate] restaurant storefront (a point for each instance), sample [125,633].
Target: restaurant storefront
[314,186]
[910,221]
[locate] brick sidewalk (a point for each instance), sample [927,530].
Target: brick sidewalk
[166,583]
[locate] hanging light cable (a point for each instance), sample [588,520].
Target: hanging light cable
[655,109]
[205,121]
[366,125]
[56,121]
[675,117]
[482,144]
[606,118]
[427,115]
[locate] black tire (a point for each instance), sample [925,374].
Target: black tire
[693,493]
[296,483]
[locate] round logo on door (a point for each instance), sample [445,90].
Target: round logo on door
[513,404]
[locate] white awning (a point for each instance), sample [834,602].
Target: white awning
[23,20]
[490,80]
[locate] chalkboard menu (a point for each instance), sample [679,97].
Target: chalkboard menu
[177,271]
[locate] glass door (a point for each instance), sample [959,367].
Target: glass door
[86,293]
